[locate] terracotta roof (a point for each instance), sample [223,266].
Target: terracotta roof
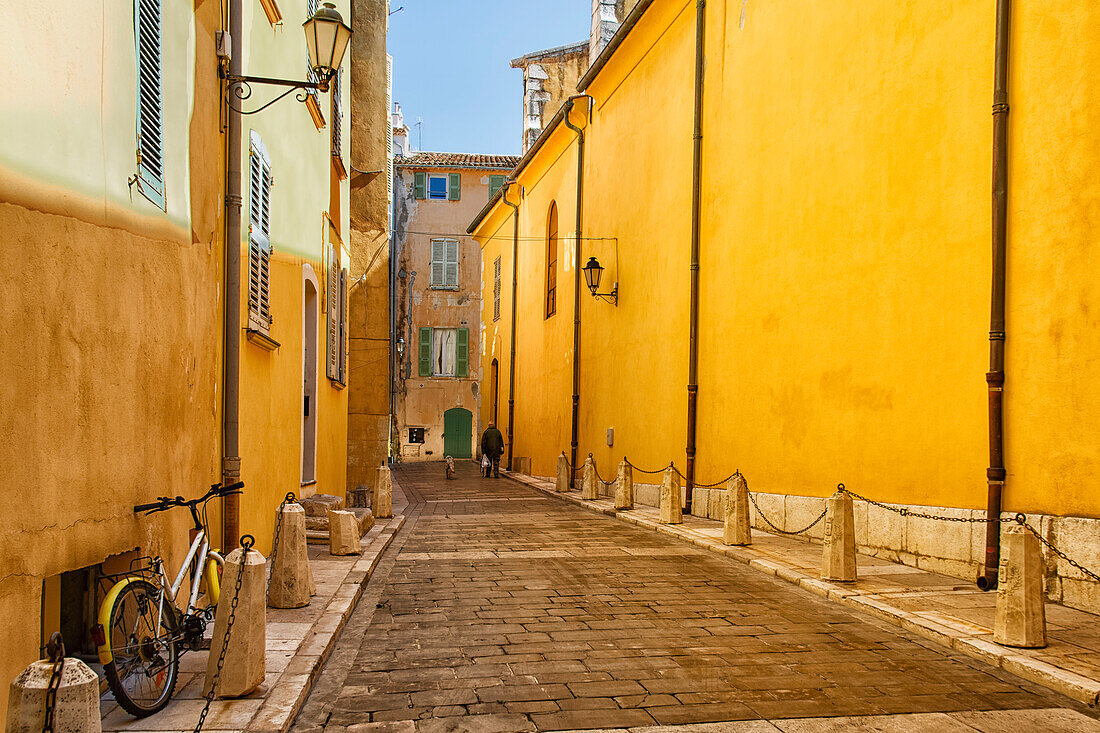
[456,160]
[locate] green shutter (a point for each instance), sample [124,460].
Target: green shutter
[425,351]
[454,186]
[462,353]
[420,185]
[495,182]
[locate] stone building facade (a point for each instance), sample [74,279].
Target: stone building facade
[437,301]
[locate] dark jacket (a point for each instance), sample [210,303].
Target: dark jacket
[492,442]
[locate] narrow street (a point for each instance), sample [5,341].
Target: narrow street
[500,602]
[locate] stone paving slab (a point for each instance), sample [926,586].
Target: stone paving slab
[298,643]
[520,614]
[946,610]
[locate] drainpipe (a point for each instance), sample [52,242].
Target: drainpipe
[512,346]
[231,462]
[577,280]
[696,214]
[995,378]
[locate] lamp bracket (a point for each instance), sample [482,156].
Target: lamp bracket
[240,87]
[612,297]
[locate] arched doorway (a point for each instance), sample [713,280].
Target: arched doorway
[458,427]
[309,375]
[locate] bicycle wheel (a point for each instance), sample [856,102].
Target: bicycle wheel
[141,632]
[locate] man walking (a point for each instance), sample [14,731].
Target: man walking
[492,445]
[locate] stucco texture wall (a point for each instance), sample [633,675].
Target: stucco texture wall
[112,307]
[845,242]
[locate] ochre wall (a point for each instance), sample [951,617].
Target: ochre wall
[844,254]
[112,350]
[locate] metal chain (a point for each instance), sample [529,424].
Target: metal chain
[642,470]
[769,522]
[247,541]
[1059,553]
[290,498]
[55,648]
[718,483]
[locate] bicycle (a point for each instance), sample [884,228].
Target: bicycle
[141,632]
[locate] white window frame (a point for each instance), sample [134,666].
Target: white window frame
[444,264]
[446,187]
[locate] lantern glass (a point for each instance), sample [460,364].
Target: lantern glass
[327,39]
[592,273]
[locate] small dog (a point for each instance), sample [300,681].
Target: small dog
[450,467]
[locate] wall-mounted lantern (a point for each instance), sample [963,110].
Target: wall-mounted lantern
[592,273]
[327,37]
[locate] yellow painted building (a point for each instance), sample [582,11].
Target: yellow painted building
[113,213]
[844,271]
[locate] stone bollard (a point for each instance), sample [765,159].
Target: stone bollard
[624,486]
[672,501]
[562,483]
[1021,613]
[381,502]
[343,533]
[291,582]
[76,706]
[737,529]
[838,559]
[243,669]
[590,490]
[521,464]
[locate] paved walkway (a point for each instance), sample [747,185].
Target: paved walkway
[499,608]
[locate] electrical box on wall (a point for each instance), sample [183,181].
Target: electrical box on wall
[610,436]
[416,435]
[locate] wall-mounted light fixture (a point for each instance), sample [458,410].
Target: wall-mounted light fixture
[592,273]
[327,37]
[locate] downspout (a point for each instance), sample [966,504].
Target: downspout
[577,281]
[231,462]
[995,378]
[512,344]
[696,214]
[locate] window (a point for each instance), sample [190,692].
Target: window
[150,125]
[552,262]
[335,305]
[337,117]
[444,352]
[437,187]
[496,289]
[495,182]
[259,235]
[445,264]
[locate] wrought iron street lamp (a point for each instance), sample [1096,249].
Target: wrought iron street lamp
[592,273]
[327,37]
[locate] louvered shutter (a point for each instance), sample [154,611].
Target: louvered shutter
[332,300]
[462,353]
[150,123]
[454,186]
[343,343]
[438,275]
[496,289]
[259,241]
[338,115]
[425,344]
[450,263]
[311,10]
[420,185]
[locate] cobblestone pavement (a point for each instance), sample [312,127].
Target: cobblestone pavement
[498,602]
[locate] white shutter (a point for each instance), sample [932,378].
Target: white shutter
[451,263]
[259,241]
[332,305]
[437,263]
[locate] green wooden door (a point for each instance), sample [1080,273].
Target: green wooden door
[458,426]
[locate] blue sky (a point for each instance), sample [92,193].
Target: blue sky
[451,65]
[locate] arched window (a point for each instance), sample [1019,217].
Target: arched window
[552,261]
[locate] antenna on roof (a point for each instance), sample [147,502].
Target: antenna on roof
[419,133]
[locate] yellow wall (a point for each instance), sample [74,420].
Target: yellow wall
[844,254]
[112,311]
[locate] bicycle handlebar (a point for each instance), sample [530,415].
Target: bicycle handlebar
[164,503]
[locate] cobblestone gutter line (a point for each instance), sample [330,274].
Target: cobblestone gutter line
[962,639]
